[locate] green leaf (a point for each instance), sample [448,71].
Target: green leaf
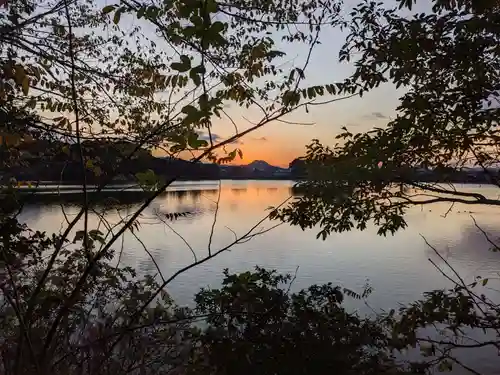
[140,12]
[20,75]
[174,80]
[148,179]
[108,9]
[211,6]
[116,18]
[217,27]
[311,93]
[152,12]
[200,69]
[198,143]
[190,111]
[197,21]
[177,148]
[186,60]
[183,66]
[96,235]
[445,366]
[97,171]
[330,89]
[231,155]
[194,142]
[195,77]
[79,236]
[31,103]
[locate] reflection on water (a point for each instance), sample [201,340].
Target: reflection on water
[397,264]
[397,267]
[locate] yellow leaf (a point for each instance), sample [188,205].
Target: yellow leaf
[97,171]
[20,74]
[26,85]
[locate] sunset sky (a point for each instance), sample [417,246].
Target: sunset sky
[279,143]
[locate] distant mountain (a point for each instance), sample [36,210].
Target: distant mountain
[256,169]
[262,165]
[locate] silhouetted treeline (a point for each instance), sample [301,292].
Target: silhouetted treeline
[44,160]
[56,161]
[299,168]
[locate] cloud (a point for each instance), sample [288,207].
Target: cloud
[376,115]
[206,137]
[217,138]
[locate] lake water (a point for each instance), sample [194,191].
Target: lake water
[396,267]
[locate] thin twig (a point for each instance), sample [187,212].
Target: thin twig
[497,248]
[149,254]
[233,232]
[215,220]
[474,297]
[180,236]
[449,210]
[292,280]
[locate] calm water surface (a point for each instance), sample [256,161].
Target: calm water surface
[397,267]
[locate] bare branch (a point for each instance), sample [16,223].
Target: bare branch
[215,219]
[496,247]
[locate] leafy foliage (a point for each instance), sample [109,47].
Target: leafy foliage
[98,89]
[76,72]
[256,326]
[98,316]
[447,62]
[441,125]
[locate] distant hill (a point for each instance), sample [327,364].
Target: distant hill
[257,169]
[261,165]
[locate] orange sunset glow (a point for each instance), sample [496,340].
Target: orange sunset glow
[276,153]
